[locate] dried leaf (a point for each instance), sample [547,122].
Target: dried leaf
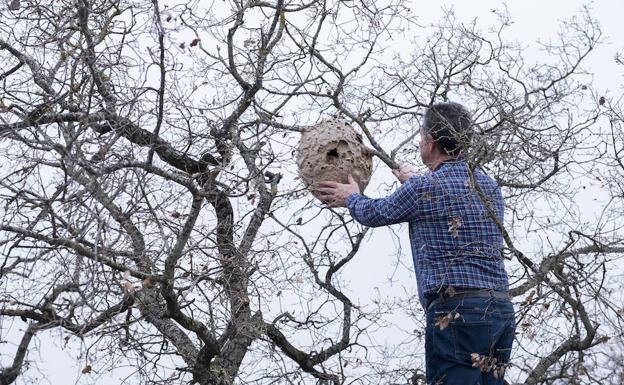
[475,358]
[529,298]
[14,5]
[128,287]
[488,364]
[450,291]
[194,42]
[604,339]
[147,283]
[443,321]
[454,225]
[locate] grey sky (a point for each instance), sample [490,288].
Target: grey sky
[373,266]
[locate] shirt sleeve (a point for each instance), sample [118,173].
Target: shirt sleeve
[407,203]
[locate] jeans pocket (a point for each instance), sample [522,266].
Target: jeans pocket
[471,334]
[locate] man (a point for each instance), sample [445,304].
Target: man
[454,215]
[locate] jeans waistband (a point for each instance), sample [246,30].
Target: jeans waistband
[436,298]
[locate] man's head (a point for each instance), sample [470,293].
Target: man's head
[446,130]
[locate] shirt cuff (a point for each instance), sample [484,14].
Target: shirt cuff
[351,200]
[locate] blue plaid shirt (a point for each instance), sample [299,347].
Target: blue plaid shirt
[454,241]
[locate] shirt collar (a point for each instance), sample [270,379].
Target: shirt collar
[458,159]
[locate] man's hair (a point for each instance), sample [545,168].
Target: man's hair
[450,125]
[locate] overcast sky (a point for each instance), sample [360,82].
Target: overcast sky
[533,19]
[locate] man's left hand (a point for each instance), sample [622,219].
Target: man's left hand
[336,194]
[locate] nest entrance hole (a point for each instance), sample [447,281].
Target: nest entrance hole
[332,156]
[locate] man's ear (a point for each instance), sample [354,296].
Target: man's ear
[435,147]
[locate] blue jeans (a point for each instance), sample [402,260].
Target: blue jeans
[468,341]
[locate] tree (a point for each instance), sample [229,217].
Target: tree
[151,207]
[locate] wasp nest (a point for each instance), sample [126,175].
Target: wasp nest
[331,150]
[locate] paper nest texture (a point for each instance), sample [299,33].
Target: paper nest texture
[331,150]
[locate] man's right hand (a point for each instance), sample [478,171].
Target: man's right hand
[404,172]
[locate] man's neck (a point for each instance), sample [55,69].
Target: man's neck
[438,161]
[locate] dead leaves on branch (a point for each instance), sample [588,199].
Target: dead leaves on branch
[489,364]
[444,321]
